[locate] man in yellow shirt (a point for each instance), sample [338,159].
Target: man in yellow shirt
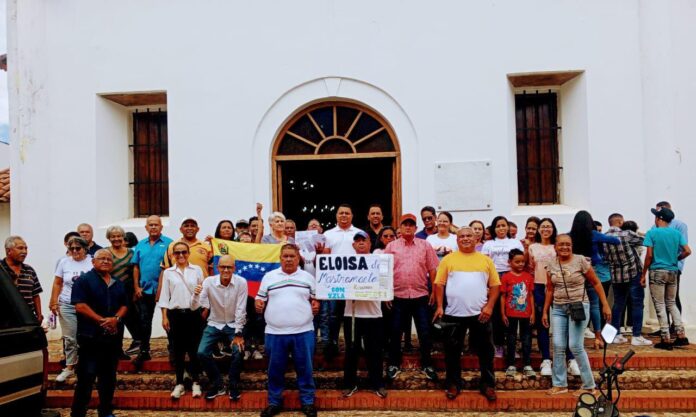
[473,287]
[200,252]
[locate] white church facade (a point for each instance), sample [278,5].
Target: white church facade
[123,109]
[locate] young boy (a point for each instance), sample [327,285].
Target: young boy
[517,309]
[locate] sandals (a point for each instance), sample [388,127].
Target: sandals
[557,390]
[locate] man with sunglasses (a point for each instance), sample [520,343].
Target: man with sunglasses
[429,222]
[224,300]
[100,302]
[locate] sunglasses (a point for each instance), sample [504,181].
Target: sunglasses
[224,267]
[75,248]
[180,252]
[428,218]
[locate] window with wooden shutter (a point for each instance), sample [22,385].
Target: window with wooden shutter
[538,169]
[150,164]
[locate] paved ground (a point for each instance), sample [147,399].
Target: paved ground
[135,413]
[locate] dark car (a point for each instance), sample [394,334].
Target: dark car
[23,354]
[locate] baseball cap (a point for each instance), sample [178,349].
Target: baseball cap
[408,217]
[189,218]
[360,235]
[663,213]
[241,222]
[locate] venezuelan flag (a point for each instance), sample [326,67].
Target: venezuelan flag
[252,260]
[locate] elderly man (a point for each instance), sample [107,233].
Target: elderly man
[147,258]
[87,233]
[472,286]
[224,300]
[23,275]
[414,261]
[242,225]
[100,301]
[286,297]
[666,247]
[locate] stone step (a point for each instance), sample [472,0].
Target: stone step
[354,413]
[410,380]
[683,358]
[426,400]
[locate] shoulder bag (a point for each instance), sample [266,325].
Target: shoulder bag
[576,310]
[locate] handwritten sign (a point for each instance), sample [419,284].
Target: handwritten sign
[355,277]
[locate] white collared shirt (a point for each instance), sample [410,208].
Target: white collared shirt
[340,241]
[227,304]
[178,287]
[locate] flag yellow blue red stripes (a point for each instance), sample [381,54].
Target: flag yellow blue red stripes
[252,260]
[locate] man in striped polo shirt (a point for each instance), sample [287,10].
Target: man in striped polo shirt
[23,275]
[286,298]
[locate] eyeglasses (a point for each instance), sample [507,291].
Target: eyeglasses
[103,259]
[427,218]
[225,267]
[75,248]
[180,252]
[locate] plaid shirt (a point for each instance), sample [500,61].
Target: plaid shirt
[412,262]
[624,260]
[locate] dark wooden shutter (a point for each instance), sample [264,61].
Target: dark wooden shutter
[537,148]
[150,164]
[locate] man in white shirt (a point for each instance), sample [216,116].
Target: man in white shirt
[369,328]
[286,297]
[223,298]
[339,240]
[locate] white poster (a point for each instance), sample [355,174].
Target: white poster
[355,277]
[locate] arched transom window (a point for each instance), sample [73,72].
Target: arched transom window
[336,128]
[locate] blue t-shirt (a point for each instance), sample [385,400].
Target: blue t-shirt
[148,258]
[666,243]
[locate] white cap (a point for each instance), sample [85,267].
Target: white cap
[187,218]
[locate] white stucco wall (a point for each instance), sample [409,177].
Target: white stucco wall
[233,72]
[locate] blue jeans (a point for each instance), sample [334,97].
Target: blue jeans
[330,317]
[402,309]
[569,333]
[211,336]
[595,317]
[637,294]
[542,332]
[68,326]
[301,346]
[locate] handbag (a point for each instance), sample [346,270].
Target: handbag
[576,310]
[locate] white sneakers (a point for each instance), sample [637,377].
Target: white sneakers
[573,367]
[65,374]
[178,391]
[546,367]
[619,339]
[257,355]
[196,390]
[511,371]
[589,334]
[640,341]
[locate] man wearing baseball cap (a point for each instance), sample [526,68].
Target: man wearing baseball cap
[200,251]
[414,262]
[242,225]
[665,248]
[363,326]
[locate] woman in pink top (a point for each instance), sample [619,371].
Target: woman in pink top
[538,254]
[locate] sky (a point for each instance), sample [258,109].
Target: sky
[4,115]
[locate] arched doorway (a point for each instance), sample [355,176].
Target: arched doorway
[336,152]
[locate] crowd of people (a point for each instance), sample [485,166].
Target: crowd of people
[486,281]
